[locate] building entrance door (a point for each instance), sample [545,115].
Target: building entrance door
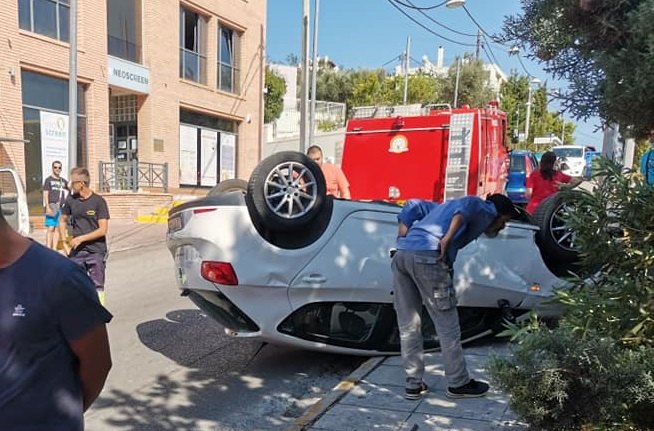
[124,142]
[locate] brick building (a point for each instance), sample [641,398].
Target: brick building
[175,82]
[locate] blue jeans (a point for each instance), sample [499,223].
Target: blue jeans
[419,277]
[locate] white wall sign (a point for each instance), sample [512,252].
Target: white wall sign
[54,143]
[128,75]
[188,155]
[227,156]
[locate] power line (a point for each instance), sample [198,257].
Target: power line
[472,18]
[438,23]
[392,2]
[412,6]
[415,61]
[396,58]
[487,44]
[523,67]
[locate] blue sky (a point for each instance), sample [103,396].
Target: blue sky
[372,34]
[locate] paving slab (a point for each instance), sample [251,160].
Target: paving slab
[375,399]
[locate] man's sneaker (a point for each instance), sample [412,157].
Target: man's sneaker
[416,393]
[472,389]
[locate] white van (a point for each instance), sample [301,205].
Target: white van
[574,157]
[13,201]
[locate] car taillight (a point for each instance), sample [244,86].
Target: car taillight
[203,210]
[219,272]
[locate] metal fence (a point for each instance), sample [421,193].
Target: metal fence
[329,116]
[133,175]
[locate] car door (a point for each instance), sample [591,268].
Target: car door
[13,201]
[354,265]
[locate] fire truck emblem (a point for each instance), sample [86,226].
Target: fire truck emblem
[399,144]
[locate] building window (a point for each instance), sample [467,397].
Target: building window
[46,96]
[192,51]
[47,17]
[207,149]
[124,29]
[228,45]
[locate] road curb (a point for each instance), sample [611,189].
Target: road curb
[339,391]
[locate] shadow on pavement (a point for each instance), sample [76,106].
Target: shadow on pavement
[220,383]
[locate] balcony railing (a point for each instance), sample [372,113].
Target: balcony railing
[133,175]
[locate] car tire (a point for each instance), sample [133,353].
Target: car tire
[555,240]
[286,192]
[228,186]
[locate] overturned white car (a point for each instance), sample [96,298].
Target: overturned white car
[277,259]
[13,202]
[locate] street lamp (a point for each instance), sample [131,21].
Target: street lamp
[455,3]
[529,97]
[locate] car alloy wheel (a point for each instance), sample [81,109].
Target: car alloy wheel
[291,190]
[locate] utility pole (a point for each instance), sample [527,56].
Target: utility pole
[528,117]
[562,130]
[72,89]
[406,69]
[456,83]
[479,42]
[517,123]
[304,83]
[314,72]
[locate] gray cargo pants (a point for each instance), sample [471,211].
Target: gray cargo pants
[419,277]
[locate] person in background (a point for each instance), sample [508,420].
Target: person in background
[647,161]
[546,181]
[89,216]
[54,349]
[55,191]
[337,184]
[429,237]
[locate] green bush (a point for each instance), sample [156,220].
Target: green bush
[329,125]
[559,381]
[614,227]
[596,369]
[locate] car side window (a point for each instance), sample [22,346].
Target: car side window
[518,163]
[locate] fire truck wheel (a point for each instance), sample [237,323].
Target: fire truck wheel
[555,239]
[286,192]
[228,186]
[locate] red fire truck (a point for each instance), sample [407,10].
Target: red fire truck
[435,153]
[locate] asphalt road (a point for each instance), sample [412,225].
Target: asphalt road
[174,369]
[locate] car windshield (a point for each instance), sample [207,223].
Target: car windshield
[568,152]
[518,163]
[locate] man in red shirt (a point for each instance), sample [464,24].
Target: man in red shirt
[337,184]
[546,181]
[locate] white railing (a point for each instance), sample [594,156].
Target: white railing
[329,116]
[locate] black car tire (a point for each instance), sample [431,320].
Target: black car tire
[286,192]
[556,241]
[228,186]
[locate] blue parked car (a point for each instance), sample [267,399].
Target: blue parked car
[588,168]
[521,164]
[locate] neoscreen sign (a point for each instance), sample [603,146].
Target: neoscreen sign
[128,75]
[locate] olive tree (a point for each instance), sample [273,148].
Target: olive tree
[604,48]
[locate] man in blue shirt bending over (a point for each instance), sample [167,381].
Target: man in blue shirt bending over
[430,235]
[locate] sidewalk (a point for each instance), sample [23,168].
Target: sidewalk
[372,398]
[124,235]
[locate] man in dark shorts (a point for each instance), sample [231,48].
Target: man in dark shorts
[55,191]
[89,216]
[54,350]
